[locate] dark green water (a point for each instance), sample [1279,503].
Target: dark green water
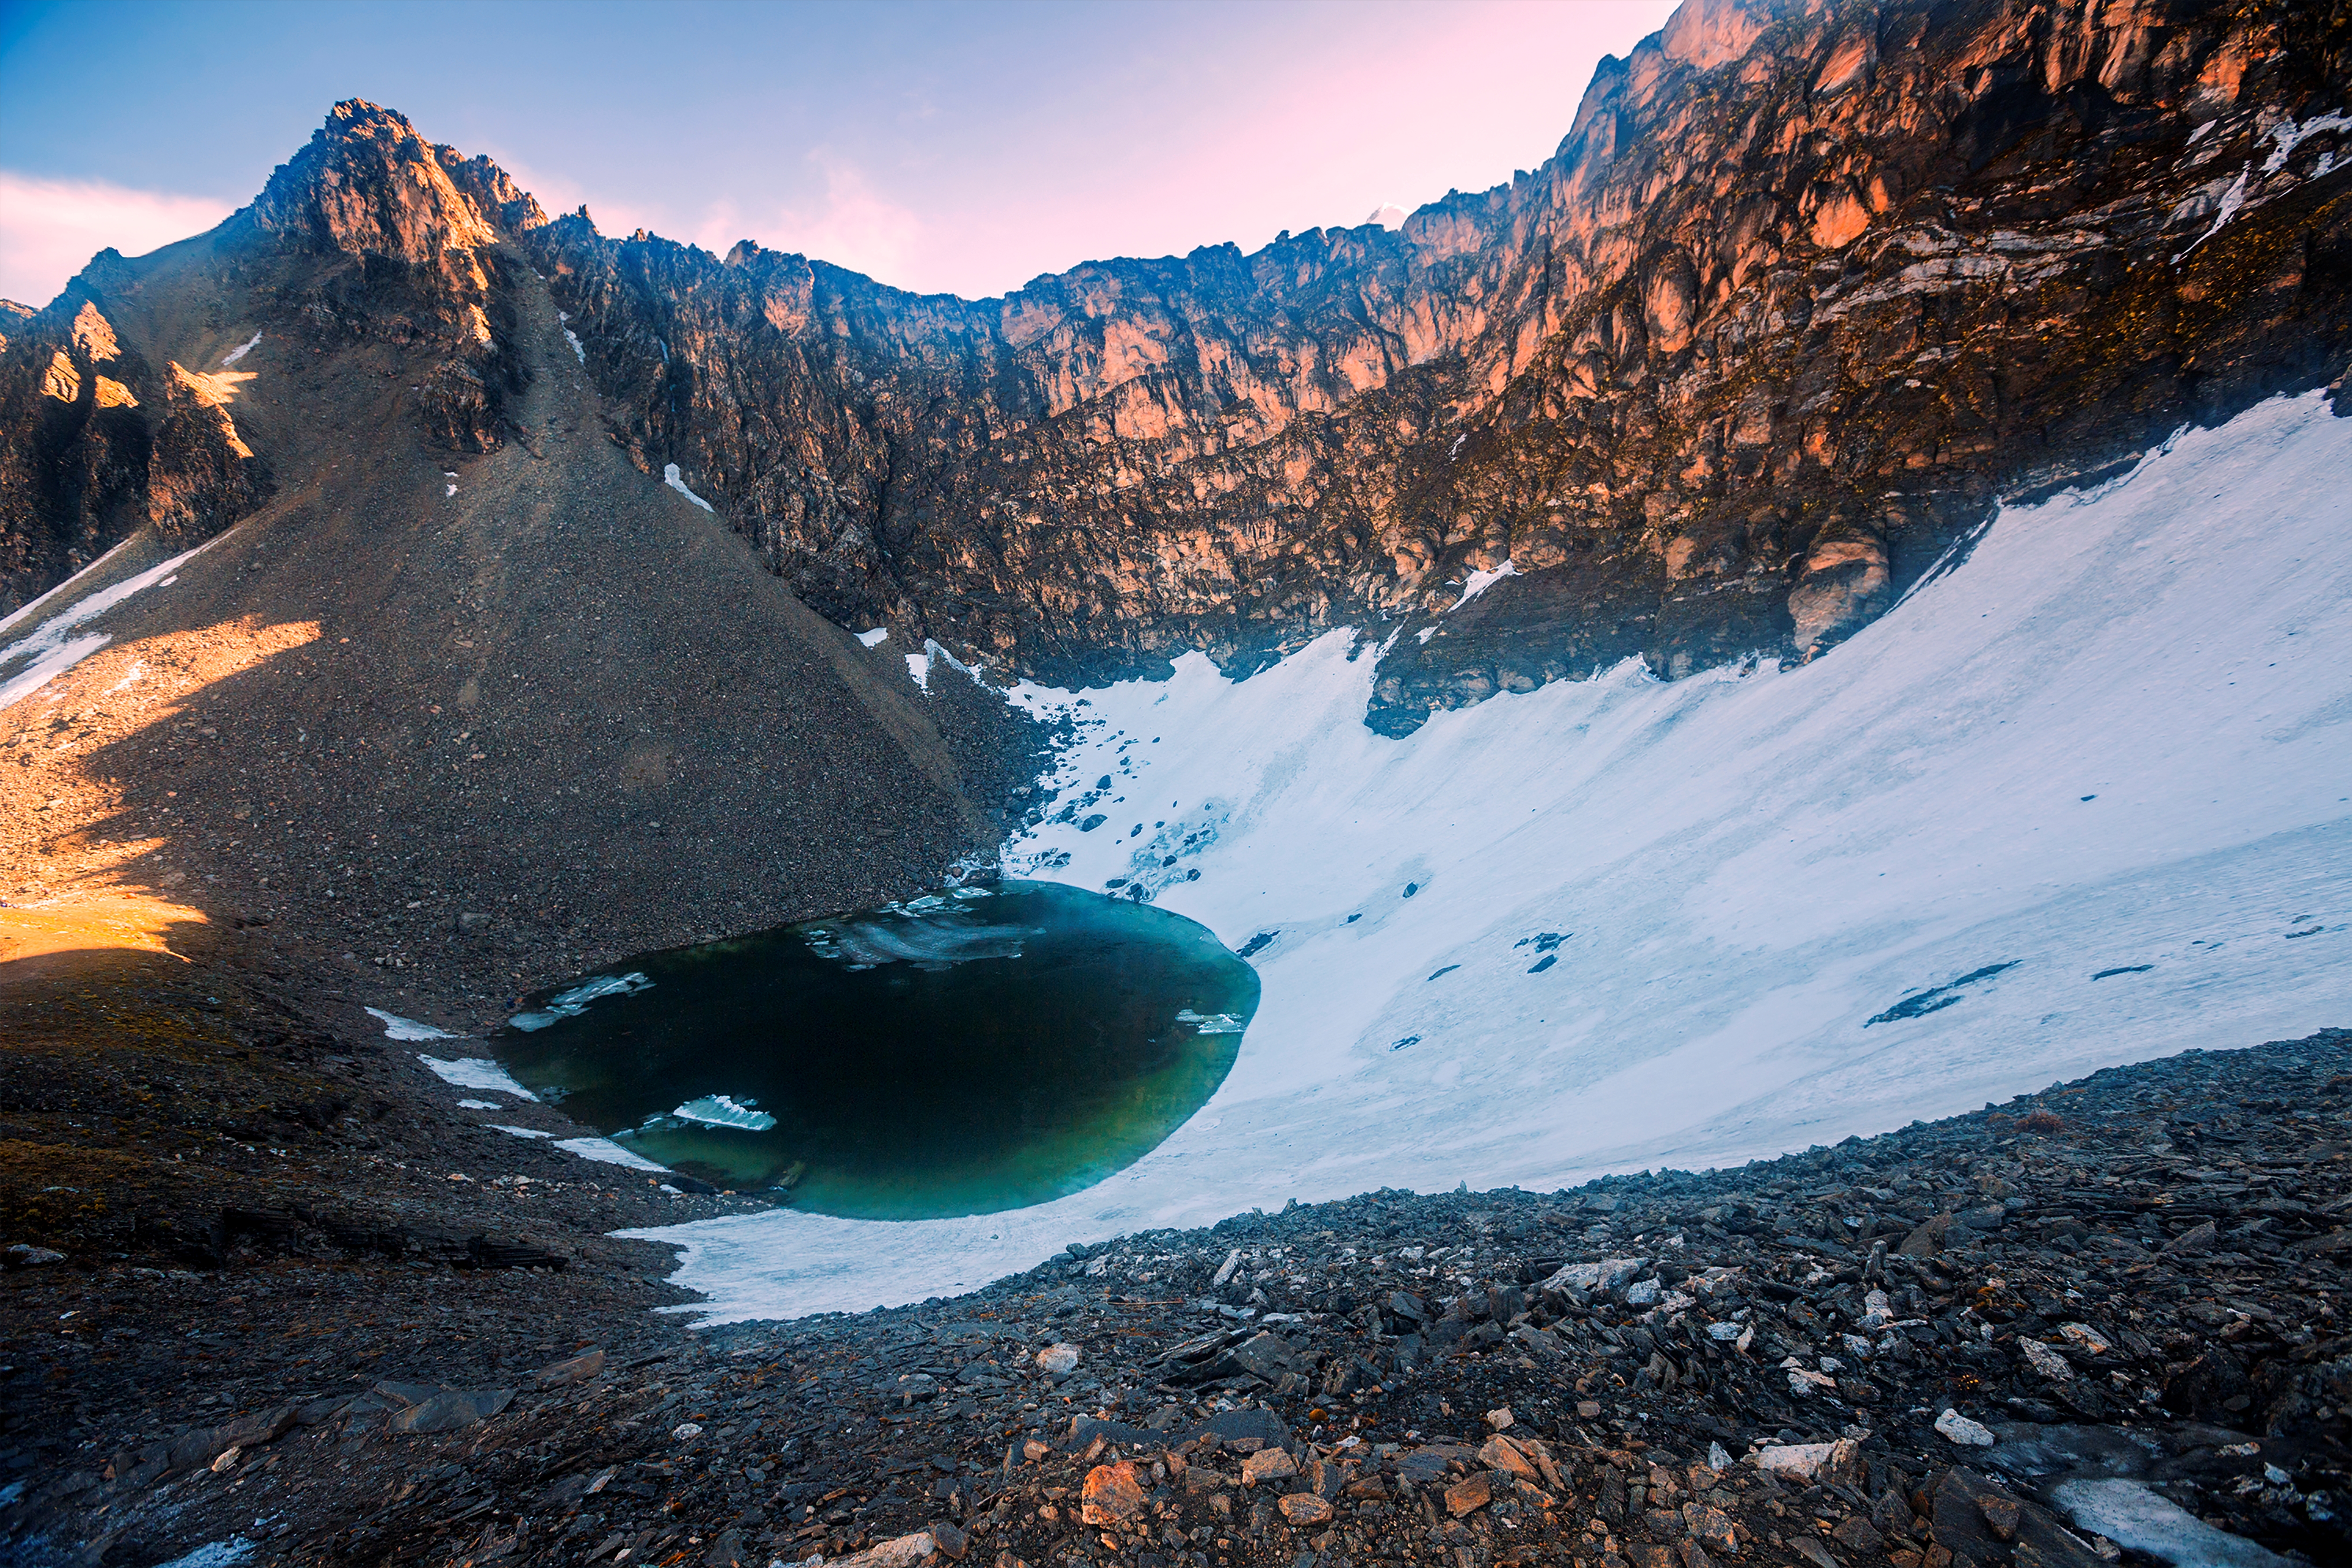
[957,1054]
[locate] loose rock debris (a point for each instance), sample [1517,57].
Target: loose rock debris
[2131,1285]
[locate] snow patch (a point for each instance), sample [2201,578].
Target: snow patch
[479,1105]
[670,478]
[2231,200]
[2288,135]
[241,350]
[723,1111]
[918,665]
[23,610]
[474,1072]
[130,678]
[876,637]
[1630,923]
[51,648]
[561,317]
[518,1131]
[1478,582]
[2285,137]
[609,1153]
[396,1027]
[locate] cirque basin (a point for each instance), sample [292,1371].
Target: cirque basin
[964,1052]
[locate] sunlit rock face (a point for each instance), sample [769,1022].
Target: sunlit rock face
[1805,289]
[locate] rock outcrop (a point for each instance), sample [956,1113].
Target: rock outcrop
[1804,293]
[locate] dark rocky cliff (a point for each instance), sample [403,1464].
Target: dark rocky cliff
[1806,290]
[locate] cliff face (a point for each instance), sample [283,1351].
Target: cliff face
[1804,290]
[1807,288]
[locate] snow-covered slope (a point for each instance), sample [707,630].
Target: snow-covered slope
[2082,799]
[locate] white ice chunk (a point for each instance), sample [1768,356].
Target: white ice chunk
[721,1111]
[518,1131]
[242,348]
[2138,1520]
[610,1152]
[474,1072]
[214,1554]
[670,478]
[1478,582]
[1212,1023]
[876,637]
[50,650]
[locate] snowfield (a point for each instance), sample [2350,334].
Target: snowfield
[2080,799]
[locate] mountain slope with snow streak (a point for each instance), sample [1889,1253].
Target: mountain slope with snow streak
[2080,800]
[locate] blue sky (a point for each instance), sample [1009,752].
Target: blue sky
[942,147]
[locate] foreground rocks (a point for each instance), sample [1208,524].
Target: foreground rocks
[1992,1339]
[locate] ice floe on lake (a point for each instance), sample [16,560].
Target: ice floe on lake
[572,1002]
[1628,923]
[926,944]
[721,1110]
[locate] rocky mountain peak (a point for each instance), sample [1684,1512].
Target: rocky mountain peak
[368,185]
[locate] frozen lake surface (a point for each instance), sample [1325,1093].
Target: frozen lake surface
[956,1053]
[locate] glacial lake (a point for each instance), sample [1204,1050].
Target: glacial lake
[964,1052]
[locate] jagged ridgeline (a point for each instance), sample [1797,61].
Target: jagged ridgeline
[1804,293]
